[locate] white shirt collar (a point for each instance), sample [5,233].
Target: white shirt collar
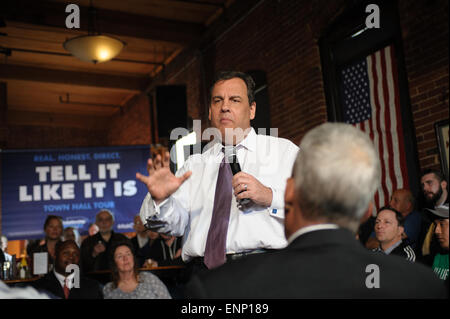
[249,142]
[311,228]
[62,279]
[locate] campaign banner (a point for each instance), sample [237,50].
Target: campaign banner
[72,183]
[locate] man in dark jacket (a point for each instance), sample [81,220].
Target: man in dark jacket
[336,174]
[389,227]
[95,250]
[61,282]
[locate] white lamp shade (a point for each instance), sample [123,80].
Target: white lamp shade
[94,48]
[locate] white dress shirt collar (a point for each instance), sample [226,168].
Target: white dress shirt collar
[309,229]
[249,142]
[62,279]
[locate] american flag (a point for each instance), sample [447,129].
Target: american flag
[370,99]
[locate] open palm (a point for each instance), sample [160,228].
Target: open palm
[161,182]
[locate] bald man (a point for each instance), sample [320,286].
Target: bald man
[403,201]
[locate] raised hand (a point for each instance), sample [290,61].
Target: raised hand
[161,182]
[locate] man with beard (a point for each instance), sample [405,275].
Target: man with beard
[434,188]
[95,249]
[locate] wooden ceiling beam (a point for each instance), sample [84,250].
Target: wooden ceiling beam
[117,23]
[28,73]
[56,119]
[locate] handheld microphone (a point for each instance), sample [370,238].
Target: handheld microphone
[236,168]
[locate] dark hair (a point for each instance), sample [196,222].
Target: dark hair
[49,218]
[398,215]
[438,174]
[114,270]
[227,75]
[61,244]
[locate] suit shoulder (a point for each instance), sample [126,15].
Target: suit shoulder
[407,273]
[241,270]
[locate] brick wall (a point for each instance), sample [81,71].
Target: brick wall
[33,137]
[286,49]
[280,38]
[425,40]
[132,126]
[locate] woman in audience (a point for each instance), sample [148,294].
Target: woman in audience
[53,228]
[127,281]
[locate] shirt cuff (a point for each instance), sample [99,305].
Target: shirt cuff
[150,210]
[276,209]
[277,199]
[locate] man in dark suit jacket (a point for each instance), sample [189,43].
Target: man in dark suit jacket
[68,253]
[336,175]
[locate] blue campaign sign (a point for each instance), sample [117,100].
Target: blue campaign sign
[72,183]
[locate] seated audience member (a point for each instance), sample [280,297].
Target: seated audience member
[53,228]
[440,261]
[62,284]
[165,251]
[388,231]
[127,281]
[143,241]
[71,233]
[3,248]
[95,249]
[435,195]
[403,201]
[335,176]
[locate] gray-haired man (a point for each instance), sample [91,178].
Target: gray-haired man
[333,183]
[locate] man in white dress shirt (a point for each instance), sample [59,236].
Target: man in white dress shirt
[182,204]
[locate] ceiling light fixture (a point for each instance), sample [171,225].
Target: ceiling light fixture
[94,47]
